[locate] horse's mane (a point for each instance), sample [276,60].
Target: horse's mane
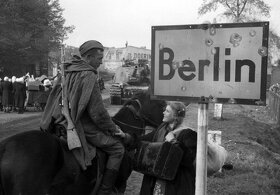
[141,96]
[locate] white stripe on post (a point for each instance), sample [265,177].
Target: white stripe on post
[201,153]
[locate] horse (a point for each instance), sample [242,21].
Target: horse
[36,162]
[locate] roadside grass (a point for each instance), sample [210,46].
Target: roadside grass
[253,143]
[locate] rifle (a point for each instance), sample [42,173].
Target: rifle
[73,139]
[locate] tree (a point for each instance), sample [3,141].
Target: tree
[29,30]
[237,10]
[245,11]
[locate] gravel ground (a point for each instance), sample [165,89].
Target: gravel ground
[8,117]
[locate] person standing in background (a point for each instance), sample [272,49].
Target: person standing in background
[6,94]
[11,97]
[26,80]
[1,106]
[14,109]
[20,94]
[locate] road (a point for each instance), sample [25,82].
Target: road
[14,125]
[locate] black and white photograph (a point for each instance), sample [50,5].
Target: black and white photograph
[130,97]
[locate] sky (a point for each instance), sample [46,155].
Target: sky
[115,22]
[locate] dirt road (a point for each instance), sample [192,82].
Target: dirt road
[13,123]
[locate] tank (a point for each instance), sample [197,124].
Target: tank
[129,79]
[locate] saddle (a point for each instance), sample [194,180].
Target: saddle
[72,169]
[94,173]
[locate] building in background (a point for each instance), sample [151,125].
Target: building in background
[116,57]
[113,57]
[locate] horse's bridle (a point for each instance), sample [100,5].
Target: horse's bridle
[143,116]
[137,114]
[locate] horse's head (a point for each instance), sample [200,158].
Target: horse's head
[150,110]
[138,112]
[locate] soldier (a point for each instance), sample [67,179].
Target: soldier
[92,121]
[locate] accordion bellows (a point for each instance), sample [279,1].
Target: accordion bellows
[158,159]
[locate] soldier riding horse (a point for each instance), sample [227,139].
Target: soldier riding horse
[37,162]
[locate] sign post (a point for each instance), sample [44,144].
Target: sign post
[209,63]
[201,152]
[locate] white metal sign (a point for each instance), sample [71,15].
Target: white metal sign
[221,62]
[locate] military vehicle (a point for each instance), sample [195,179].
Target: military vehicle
[129,79]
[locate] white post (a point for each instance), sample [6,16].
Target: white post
[201,153]
[218,111]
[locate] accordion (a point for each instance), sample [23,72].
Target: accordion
[158,159]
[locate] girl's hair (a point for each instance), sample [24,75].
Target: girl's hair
[180,111]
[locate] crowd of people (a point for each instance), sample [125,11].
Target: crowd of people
[14,92]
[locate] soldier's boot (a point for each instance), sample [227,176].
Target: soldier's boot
[108,181]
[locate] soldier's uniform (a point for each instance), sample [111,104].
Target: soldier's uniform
[92,121]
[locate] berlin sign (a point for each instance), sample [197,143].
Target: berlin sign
[224,63]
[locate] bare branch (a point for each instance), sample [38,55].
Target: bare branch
[230,8]
[228,5]
[244,4]
[237,6]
